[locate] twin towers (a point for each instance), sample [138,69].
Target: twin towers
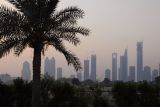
[49,69]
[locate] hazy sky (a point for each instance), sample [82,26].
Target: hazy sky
[115,25]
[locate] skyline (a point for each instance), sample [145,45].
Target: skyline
[114,26]
[119,71]
[122,74]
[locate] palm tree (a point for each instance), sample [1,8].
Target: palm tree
[36,24]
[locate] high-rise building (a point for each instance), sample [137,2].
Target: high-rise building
[26,72]
[59,73]
[86,70]
[147,73]
[132,73]
[139,61]
[108,74]
[79,76]
[123,74]
[93,67]
[72,76]
[50,67]
[154,74]
[53,68]
[46,66]
[114,67]
[121,69]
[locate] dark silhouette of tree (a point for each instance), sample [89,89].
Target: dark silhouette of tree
[125,94]
[75,81]
[141,94]
[6,99]
[36,24]
[21,93]
[149,95]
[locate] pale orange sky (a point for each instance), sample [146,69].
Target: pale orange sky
[115,25]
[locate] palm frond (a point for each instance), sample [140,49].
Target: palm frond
[16,3]
[70,13]
[70,57]
[35,10]
[73,29]
[6,46]
[47,7]
[69,36]
[67,16]
[68,33]
[20,47]
[12,22]
[28,7]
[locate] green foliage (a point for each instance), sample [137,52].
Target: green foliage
[53,94]
[140,94]
[16,95]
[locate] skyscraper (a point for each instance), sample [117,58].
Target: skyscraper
[108,74]
[49,67]
[79,76]
[124,66]
[132,73]
[154,74]
[72,76]
[147,73]
[59,73]
[46,66]
[121,69]
[53,67]
[114,67]
[26,72]
[139,61]
[93,67]
[86,70]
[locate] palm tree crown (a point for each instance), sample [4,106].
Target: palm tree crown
[36,24]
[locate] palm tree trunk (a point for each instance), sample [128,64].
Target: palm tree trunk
[36,78]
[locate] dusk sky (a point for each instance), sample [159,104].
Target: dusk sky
[115,25]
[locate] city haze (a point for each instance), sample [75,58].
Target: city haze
[115,25]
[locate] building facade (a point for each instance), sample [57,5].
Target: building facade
[50,67]
[132,73]
[114,67]
[59,73]
[26,72]
[139,61]
[86,70]
[108,74]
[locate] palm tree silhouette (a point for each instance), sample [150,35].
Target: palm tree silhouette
[36,24]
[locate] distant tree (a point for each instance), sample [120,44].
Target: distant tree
[125,94]
[100,102]
[148,95]
[6,99]
[88,82]
[21,93]
[75,81]
[36,24]
[157,80]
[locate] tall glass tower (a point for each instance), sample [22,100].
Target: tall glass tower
[86,70]
[50,67]
[123,74]
[139,61]
[93,67]
[26,72]
[114,67]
